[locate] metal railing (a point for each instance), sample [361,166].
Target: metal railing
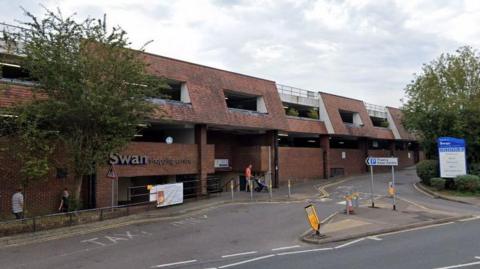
[284,89]
[17,37]
[376,110]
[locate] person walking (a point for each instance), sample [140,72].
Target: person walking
[17,204]
[248,177]
[64,201]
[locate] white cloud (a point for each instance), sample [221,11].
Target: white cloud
[365,49]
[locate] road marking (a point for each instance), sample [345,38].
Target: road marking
[283,248]
[246,261]
[477,257]
[458,265]
[303,251]
[93,240]
[470,219]
[341,203]
[419,190]
[418,228]
[374,238]
[173,263]
[349,243]
[239,254]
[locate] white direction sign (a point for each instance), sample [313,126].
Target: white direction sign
[377,161]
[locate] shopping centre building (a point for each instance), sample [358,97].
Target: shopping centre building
[216,122]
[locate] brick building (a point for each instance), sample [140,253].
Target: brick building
[215,123]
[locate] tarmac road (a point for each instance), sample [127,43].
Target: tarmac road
[234,232]
[454,245]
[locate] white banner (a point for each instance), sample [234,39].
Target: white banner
[167,194]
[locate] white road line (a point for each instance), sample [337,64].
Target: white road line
[283,248]
[246,261]
[374,238]
[173,263]
[349,243]
[419,190]
[458,265]
[303,251]
[477,257]
[239,254]
[470,219]
[418,228]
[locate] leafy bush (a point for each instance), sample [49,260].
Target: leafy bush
[438,183]
[474,169]
[470,183]
[292,112]
[312,114]
[426,170]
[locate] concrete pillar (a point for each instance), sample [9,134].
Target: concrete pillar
[201,141]
[325,144]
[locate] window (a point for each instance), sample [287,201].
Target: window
[176,91]
[242,101]
[352,118]
[340,143]
[379,122]
[13,72]
[301,111]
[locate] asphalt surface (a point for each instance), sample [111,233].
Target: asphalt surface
[235,233]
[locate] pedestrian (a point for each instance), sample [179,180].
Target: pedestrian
[17,204]
[248,177]
[64,201]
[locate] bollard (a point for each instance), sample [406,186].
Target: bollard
[355,199]
[231,188]
[289,188]
[250,184]
[270,188]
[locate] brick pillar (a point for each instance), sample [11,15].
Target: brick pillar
[325,144]
[363,145]
[392,148]
[272,141]
[201,141]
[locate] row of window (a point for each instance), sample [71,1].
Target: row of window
[177,91]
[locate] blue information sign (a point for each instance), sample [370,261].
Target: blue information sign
[451,153]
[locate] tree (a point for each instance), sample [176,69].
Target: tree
[92,92]
[444,100]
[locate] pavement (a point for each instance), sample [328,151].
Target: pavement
[367,221]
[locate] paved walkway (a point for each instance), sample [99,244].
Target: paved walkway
[367,221]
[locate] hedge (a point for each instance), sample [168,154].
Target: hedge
[470,183]
[438,183]
[426,170]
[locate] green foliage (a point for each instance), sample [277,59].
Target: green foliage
[426,170]
[438,183]
[384,124]
[444,100]
[292,112]
[474,169]
[312,113]
[467,183]
[92,91]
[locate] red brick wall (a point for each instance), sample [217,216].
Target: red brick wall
[403,160]
[256,155]
[300,163]
[41,197]
[306,126]
[206,87]
[353,164]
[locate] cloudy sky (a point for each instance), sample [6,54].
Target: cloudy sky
[365,49]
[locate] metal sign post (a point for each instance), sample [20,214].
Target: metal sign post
[391,161]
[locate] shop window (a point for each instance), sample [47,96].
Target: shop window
[242,101]
[351,118]
[379,122]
